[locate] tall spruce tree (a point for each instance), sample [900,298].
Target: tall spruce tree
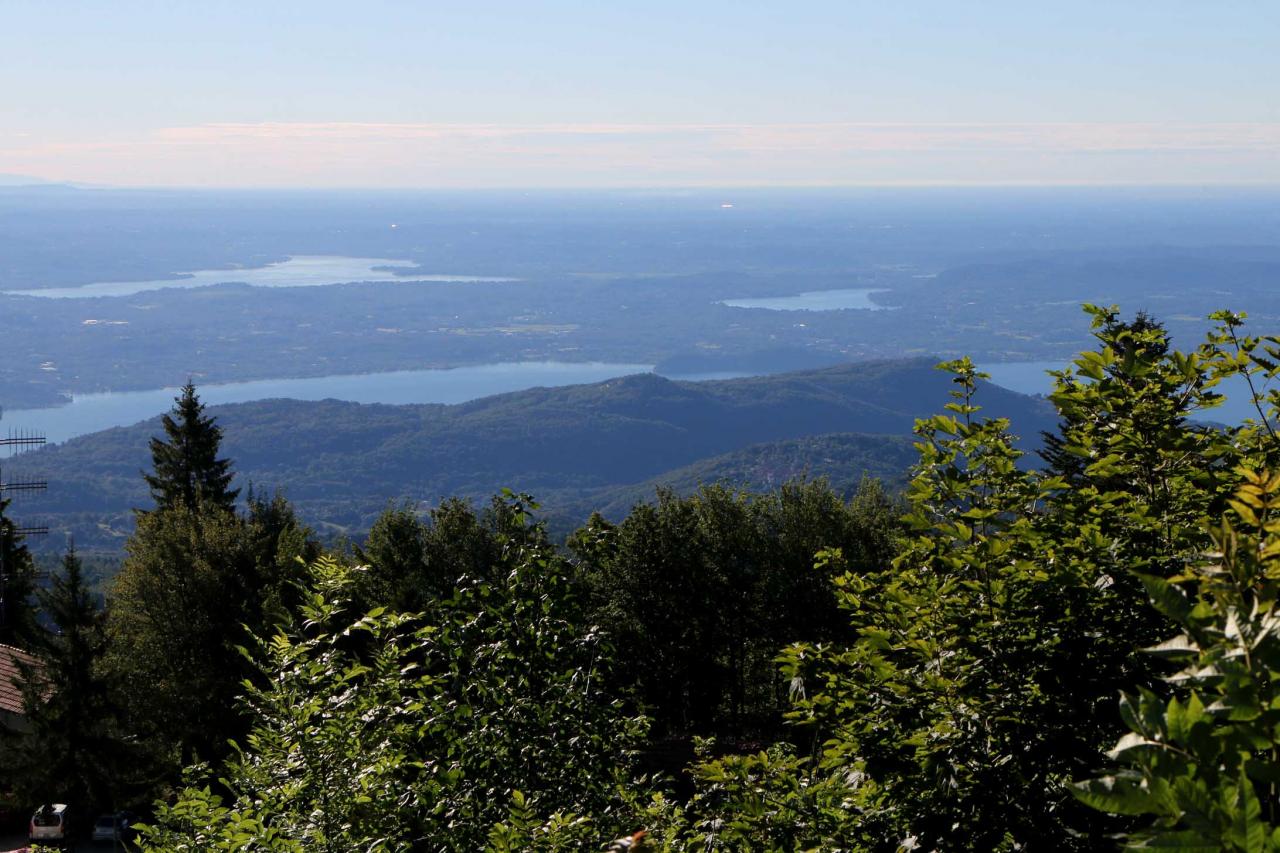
[17,584]
[188,472]
[64,752]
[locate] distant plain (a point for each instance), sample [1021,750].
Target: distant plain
[419,298]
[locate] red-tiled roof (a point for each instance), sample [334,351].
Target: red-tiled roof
[10,695]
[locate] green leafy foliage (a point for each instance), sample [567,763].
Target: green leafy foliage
[524,831]
[196,584]
[701,592]
[448,730]
[981,676]
[412,562]
[1203,760]
[776,802]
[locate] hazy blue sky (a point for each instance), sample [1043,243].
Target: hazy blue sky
[610,93]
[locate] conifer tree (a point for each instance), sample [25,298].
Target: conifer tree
[188,471]
[64,751]
[17,583]
[194,585]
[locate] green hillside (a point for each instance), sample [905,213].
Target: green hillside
[842,459]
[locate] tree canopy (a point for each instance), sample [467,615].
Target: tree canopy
[444,731]
[67,749]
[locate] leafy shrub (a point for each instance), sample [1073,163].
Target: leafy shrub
[449,730]
[1204,763]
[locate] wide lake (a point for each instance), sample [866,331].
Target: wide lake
[815,300]
[297,271]
[1031,377]
[88,413]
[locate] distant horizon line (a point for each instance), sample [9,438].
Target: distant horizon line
[37,183]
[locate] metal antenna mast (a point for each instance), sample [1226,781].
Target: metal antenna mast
[11,444]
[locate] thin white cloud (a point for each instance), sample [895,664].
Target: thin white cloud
[861,136]
[390,154]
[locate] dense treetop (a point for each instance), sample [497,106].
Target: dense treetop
[187,472]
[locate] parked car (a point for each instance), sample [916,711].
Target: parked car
[51,822]
[113,827]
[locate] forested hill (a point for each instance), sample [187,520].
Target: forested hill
[574,447]
[842,458]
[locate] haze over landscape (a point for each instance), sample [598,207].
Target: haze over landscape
[676,279]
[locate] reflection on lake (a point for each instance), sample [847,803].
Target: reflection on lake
[297,271]
[815,300]
[1030,377]
[88,413]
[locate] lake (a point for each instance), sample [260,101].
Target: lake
[88,413]
[297,271]
[1029,377]
[815,300]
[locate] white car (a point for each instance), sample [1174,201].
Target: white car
[51,822]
